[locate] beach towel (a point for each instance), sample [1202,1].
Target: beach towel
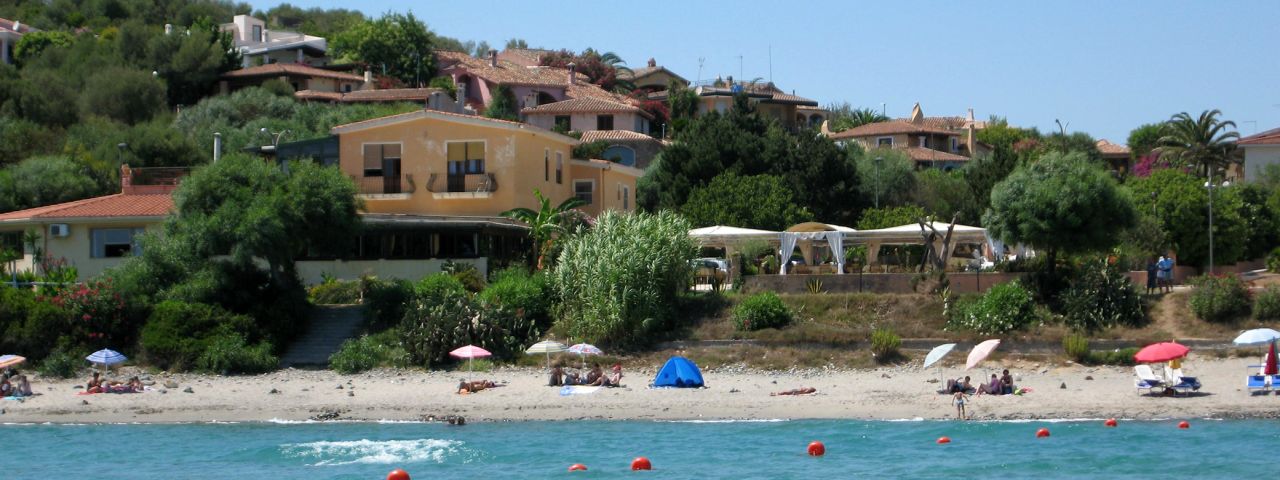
[578,390]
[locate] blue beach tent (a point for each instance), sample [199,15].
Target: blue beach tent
[679,372]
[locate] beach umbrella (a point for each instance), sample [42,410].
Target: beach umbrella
[584,349]
[106,357]
[546,347]
[7,361]
[1270,367]
[1161,352]
[980,353]
[469,352]
[936,354]
[1257,336]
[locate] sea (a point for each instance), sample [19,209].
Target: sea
[680,449]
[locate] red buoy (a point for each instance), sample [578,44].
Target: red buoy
[817,449]
[577,466]
[641,463]
[1042,433]
[944,440]
[1111,422]
[398,474]
[1184,424]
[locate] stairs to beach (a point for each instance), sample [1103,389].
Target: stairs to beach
[330,326]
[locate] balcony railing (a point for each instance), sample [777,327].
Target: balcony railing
[385,186]
[470,183]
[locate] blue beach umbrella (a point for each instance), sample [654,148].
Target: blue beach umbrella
[106,357]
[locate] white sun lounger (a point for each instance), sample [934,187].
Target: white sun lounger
[1147,379]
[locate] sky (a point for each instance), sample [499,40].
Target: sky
[1101,67]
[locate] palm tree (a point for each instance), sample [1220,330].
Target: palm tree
[1202,143]
[621,83]
[547,222]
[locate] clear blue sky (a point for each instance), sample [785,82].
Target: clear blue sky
[1104,67]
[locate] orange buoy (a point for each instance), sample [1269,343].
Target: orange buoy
[944,440]
[817,449]
[1042,433]
[1111,422]
[577,466]
[398,474]
[1184,424]
[641,463]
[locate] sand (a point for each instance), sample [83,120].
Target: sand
[902,392]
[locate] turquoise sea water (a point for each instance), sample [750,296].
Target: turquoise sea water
[1085,449]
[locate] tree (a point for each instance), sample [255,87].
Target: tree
[758,201]
[877,218]
[517,43]
[39,181]
[607,69]
[845,116]
[503,106]
[397,45]
[34,43]
[1179,200]
[1145,138]
[1202,143]
[886,177]
[1261,220]
[547,223]
[944,193]
[190,64]
[1061,203]
[123,94]
[682,103]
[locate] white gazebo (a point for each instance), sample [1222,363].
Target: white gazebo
[910,234]
[806,236]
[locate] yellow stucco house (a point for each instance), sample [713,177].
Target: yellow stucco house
[434,185]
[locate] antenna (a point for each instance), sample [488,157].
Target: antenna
[740,75]
[701,60]
[771,63]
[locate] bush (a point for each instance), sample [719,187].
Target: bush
[1005,308]
[466,274]
[431,330]
[1121,357]
[1077,347]
[762,310]
[29,325]
[335,293]
[523,293]
[229,353]
[438,288]
[619,281]
[60,365]
[1266,307]
[1219,298]
[1273,261]
[385,301]
[1102,297]
[178,333]
[368,352]
[885,344]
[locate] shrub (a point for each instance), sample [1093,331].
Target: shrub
[523,293]
[1102,296]
[60,365]
[618,281]
[335,293]
[368,352]
[385,301]
[178,333]
[1004,308]
[97,315]
[1077,347]
[438,288]
[1266,307]
[466,274]
[431,330]
[229,353]
[1273,261]
[29,325]
[1121,357]
[1219,298]
[762,310]
[885,344]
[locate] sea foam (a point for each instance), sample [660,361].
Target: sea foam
[372,452]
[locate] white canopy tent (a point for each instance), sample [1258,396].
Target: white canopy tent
[910,234]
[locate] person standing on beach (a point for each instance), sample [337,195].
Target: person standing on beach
[959,400]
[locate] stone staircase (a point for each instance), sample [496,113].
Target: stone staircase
[330,326]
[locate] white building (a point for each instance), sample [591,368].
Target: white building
[1260,150]
[10,32]
[260,46]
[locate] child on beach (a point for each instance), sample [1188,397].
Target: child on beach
[959,400]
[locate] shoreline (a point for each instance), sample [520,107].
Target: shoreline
[893,393]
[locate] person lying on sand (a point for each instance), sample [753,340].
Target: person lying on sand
[613,379]
[797,391]
[466,387]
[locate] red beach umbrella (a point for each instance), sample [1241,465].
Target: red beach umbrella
[1271,361]
[1161,352]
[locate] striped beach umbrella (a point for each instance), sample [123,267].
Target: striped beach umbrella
[7,361]
[584,349]
[546,347]
[106,357]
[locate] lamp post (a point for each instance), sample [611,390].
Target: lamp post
[120,152]
[878,161]
[1211,186]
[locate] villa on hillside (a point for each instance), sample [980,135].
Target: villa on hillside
[588,114]
[792,111]
[259,46]
[1260,150]
[653,77]
[626,148]
[302,78]
[1118,157]
[11,31]
[525,57]
[939,142]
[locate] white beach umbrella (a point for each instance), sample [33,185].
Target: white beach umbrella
[546,347]
[936,354]
[1257,336]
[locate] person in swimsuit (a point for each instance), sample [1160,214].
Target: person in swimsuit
[94,385]
[797,391]
[959,400]
[594,376]
[1006,383]
[557,376]
[466,387]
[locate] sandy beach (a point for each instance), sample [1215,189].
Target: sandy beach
[902,392]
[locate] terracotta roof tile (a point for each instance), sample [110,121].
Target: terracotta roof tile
[921,154]
[585,105]
[1107,148]
[615,136]
[386,95]
[1269,137]
[278,69]
[7,26]
[506,73]
[891,127]
[118,205]
[526,56]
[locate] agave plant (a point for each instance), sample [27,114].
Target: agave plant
[548,222]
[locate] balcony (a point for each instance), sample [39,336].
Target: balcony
[473,185]
[385,188]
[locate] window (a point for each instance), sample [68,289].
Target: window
[257,33]
[884,142]
[955,144]
[114,242]
[626,197]
[562,123]
[604,122]
[559,167]
[381,159]
[546,165]
[346,88]
[924,142]
[466,158]
[583,190]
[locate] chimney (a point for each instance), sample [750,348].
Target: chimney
[573,76]
[652,63]
[17,26]
[493,58]
[126,179]
[368,76]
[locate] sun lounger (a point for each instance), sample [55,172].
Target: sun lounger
[1256,382]
[1275,381]
[1147,379]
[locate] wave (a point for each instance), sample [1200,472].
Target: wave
[727,420]
[372,452]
